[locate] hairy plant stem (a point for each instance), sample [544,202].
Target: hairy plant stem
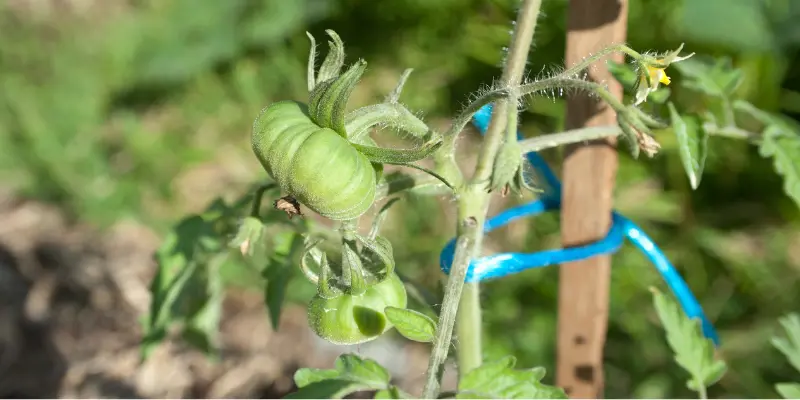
[542,142]
[473,202]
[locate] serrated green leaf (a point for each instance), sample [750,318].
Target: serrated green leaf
[306,376]
[188,285]
[328,389]
[498,380]
[789,390]
[783,146]
[397,156]
[363,370]
[202,328]
[692,144]
[278,274]
[714,78]
[481,377]
[790,346]
[412,324]
[693,352]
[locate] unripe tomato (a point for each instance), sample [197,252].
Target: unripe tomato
[348,319]
[315,165]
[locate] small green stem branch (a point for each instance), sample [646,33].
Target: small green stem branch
[473,203]
[701,389]
[543,142]
[258,196]
[732,132]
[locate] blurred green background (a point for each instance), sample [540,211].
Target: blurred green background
[141,109]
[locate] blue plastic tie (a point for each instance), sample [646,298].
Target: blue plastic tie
[505,264]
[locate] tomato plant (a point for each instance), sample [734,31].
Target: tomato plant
[321,157]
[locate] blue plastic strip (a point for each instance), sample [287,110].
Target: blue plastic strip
[505,264]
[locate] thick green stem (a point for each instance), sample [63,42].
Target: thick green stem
[469,329]
[473,203]
[470,232]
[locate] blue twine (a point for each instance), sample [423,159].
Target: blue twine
[505,264]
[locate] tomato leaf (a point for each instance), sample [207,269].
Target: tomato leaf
[178,286]
[692,145]
[328,389]
[364,370]
[783,146]
[789,390]
[412,324]
[278,274]
[351,374]
[498,379]
[397,156]
[693,352]
[202,328]
[714,78]
[790,346]
[306,376]
[188,286]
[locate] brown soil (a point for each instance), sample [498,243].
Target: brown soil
[70,302]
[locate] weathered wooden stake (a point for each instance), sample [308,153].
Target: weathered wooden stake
[588,183]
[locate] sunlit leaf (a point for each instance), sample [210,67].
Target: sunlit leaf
[692,144]
[351,374]
[783,146]
[693,352]
[790,345]
[362,370]
[499,380]
[789,390]
[413,325]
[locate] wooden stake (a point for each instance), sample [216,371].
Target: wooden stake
[588,183]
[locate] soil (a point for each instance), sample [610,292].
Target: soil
[70,302]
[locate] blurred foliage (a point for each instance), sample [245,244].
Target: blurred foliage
[108,110]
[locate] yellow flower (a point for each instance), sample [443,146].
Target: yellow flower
[658,75]
[654,73]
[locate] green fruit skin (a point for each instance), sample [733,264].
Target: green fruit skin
[348,320]
[315,165]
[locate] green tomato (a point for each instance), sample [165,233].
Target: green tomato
[315,165]
[348,319]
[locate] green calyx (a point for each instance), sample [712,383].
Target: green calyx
[329,98]
[353,287]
